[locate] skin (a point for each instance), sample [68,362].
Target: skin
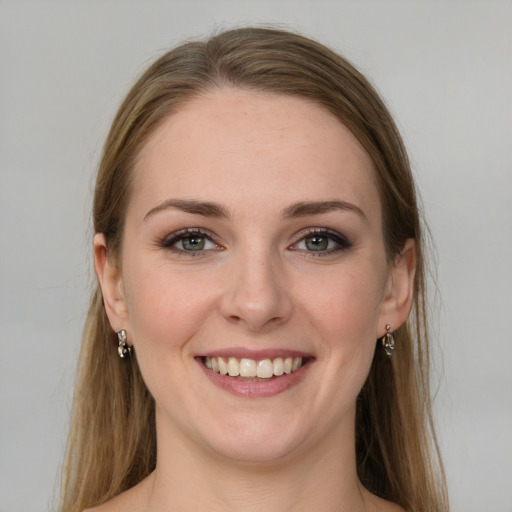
[258,286]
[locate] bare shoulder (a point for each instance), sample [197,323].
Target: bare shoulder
[377,504]
[387,506]
[132,500]
[391,507]
[117,504]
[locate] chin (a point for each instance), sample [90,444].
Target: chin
[253,442]
[255,451]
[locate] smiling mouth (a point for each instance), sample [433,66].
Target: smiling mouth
[254,370]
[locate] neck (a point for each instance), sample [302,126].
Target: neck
[190,478]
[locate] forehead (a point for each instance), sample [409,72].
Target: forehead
[265,147]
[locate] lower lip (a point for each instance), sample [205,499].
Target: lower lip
[256,389]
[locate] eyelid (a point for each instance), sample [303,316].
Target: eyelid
[169,240]
[340,239]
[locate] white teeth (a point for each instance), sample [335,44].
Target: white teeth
[263,369]
[248,368]
[233,367]
[278,366]
[223,366]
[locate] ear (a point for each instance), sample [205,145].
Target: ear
[111,283]
[399,294]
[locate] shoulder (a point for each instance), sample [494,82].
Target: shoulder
[392,507]
[376,504]
[113,505]
[120,503]
[387,506]
[133,499]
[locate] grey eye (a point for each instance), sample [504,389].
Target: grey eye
[193,243]
[317,243]
[189,241]
[322,242]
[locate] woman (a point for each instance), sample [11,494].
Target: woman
[258,250]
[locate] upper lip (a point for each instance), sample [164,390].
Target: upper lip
[257,355]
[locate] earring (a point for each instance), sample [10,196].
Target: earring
[123,349]
[388,341]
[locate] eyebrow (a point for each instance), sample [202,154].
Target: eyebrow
[210,209]
[204,208]
[303,209]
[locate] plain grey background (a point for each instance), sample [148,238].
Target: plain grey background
[444,68]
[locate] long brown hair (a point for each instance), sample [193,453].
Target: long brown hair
[112,441]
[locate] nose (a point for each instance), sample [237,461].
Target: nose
[256,295]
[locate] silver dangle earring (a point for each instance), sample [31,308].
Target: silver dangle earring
[123,348]
[388,341]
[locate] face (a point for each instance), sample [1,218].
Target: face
[252,243]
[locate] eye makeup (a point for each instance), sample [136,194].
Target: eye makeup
[320,242]
[314,241]
[190,242]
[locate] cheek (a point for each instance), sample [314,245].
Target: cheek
[165,308]
[343,308]
[346,306]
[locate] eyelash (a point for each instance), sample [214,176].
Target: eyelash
[183,234]
[342,243]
